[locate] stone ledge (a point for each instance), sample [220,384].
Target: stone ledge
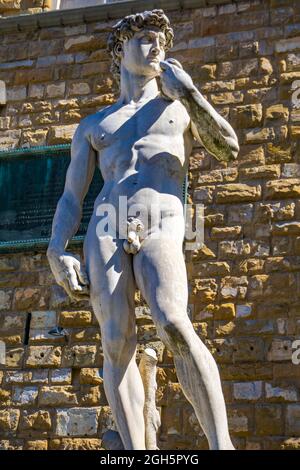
[97,13]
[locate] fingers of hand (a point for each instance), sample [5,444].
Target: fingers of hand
[174,62]
[82,275]
[77,290]
[72,279]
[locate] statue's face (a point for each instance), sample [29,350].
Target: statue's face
[144,51]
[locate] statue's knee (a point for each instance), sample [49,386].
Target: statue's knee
[118,350]
[175,338]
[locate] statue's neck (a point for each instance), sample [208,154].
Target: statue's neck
[135,88]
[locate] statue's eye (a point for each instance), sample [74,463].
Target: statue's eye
[147,39]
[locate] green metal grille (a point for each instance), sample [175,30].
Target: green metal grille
[31,183]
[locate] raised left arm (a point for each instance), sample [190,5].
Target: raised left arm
[207,125]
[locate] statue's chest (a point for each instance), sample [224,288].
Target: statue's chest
[126,126]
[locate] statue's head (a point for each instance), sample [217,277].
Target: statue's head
[139,42]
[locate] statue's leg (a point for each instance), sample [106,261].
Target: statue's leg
[161,276]
[112,287]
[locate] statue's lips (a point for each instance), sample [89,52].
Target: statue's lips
[154,59]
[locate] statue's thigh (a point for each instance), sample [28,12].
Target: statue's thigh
[112,283]
[160,274]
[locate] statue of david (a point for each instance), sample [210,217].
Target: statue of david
[142,145]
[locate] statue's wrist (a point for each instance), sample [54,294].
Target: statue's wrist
[54,251]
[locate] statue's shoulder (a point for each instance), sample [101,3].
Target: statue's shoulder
[89,122]
[171,104]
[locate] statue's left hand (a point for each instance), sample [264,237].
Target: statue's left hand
[175,82]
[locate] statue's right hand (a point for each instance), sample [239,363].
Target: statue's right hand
[70,274]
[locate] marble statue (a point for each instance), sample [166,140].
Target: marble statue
[142,145]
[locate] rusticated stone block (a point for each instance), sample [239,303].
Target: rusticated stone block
[57,396]
[10,139]
[238,421]
[277,112]
[12,322]
[14,357]
[278,393]
[258,172]
[25,396]
[6,5]
[85,335]
[275,211]
[82,43]
[205,289]
[37,421]
[212,268]
[222,349]
[27,298]
[43,320]
[80,356]
[45,356]
[268,420]
[234,287]
[91,396]
[291,444]
[243,310]
[75,444]
[227,97]
[247,371]
[5,299]
[22,377]
[280,189]
[247,116]
[5,397]
[237,193]
[280,350]
[61,134]
[17,93]
[248,349]
[90,376]
[249,391]
[225,329]
[37,444]
[287,45]
[77,422]
[9,264]
[258,135]
[243,248]
[56,90]
[279,153]
[286,228]
[291,170]
[61,376]
[9,420]
[224,311]
[225,232]
[75,319]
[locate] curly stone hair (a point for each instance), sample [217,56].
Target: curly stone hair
[128,26]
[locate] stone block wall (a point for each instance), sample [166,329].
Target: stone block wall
[19,7]
[244,283]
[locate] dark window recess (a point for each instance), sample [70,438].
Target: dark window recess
[27,328]
[31,183]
